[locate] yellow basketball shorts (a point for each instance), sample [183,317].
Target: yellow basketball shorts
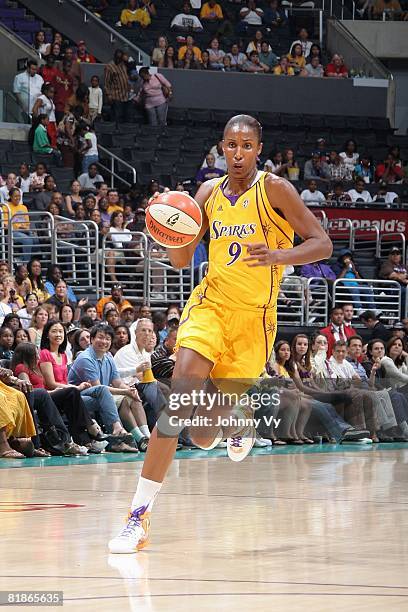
[237,342]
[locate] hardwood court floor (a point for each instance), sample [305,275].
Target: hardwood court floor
[323,530]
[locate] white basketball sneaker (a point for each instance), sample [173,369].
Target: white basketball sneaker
[241,443]
[135,535]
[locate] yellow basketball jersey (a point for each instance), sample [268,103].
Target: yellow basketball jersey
[250,218]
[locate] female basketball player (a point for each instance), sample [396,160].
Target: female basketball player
[228,326]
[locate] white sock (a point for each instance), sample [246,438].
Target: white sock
[146,493]
[137,434]
[145,430]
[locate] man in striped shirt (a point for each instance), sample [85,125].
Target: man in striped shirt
[117,87]
[163,359]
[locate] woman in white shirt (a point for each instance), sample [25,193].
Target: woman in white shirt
[216,54]
[25,314]
[395,365]
[350,158]
[118,236]
[44,105]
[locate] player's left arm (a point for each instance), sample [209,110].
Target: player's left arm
[316,244]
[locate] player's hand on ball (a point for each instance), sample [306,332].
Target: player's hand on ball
[260,255]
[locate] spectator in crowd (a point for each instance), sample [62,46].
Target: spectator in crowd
[88,180]
[336,330]
[169,60]
[163,359]
[315,51]
[316,169]
[274,163]
[237,57]
[393,268]
[49,70]
[390,8]
[75,72]
[43,198]
[11,183]
[37,177]
[216,54]
[118,237]
[133,362]
[40,45]
[154,95]
[289,167]
[90,155]
[135,15]
[364,169]
[80,342]
[377,329]
[159,50]
[296,58]
[42,143]
[186,21]
[389,171]
[79,101]
[108,392]
[27,86]
[22,235]
[209,171]
[188,63]
[6,342]
[44,105]
[60,296]
[23,178]
[359,193]
[82,55]
[36,282]
[346,268]
[313,69]
[312,195]
[218,152]
[113,202]
[73,197]
[54,275]
[120,339]
[350,157]
[283,68]
[95,99]
[256,42]
[211,12]
[304,42]
[338,196]
[190,46]
[39,320]
[116,297]
[337,167]
[274,16]
[395,364]
[267,56]
[64,88]
[117,87]
[23,284]
[55,51]
[250,15]
[25,314]
[5,308]
[128,316]
[15,418]
[336,68]
[383,195]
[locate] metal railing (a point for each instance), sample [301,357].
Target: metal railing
[112,170]
[291,300]
[322,217]
[340,229]
[38,240]
[362,241]
[125,263]
[317,301]
[77,252]
[383,295]
[5,235]
[165,283]
[290,10]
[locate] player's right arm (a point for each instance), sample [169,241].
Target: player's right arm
[180,258]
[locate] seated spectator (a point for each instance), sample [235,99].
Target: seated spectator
[22,281]
[118,237]
[25,314]
[23,236]
[304,42]
[337,68]
[359,193]
[188,62]
[127,316]
[393,268]
[6,342]
[312,195]
[256,42]
[54,275]
[42,143]
[337,167]
[226,64]
[346,268]
[377,329]
[389,171]
[296,58]
[364,169]
[350,157]
[336,330]
[396,154]
[388,197]
[313,68]
[16,421]
[205,63]
[49,70]
[36,282]
[218,152]
[133,362]
[216,54]
[192,47]
[289,168]
[96,365]
[211,12]
[163,359]
[320,269]
[37,177]
[135,15]
[39,320]
[209,171]
[40,45]
[283,68]
[169,59]
[121,338]
[274,15]
[159,50]
[250,15]
[116,297]
[113,203]
[338,196]
[315,51]
[23,179]
[237,57]
[185,21]
[274,163]
[267,56]
[60,297]
[395,365]
[11,183]
[79,100]
[80,342]
[316,169]
[89,179]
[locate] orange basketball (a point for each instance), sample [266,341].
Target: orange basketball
[173,219]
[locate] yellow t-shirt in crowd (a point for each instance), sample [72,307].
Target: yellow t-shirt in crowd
[207,11]
[196,51]
[278,70]
[21,221]
[139,15]
[114,208]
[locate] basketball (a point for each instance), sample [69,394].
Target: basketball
[173,219]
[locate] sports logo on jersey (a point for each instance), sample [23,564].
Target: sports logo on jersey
[172,220]
[220,209]
[245,203]
[218,230]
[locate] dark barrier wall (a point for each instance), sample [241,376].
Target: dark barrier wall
[253,92]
